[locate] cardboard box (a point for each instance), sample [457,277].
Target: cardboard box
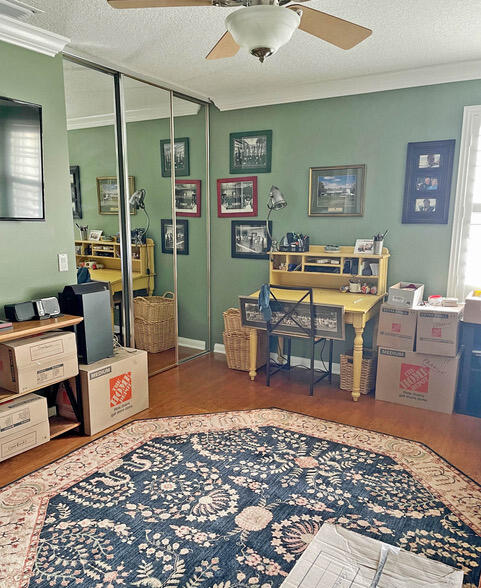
[400,295]
[35,362]
[438,330]
[472,309]
[23,425]
[338,558]
[397,327]
[114,389]
[417,379]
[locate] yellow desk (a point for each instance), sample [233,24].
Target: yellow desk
[358,310]
[114,277]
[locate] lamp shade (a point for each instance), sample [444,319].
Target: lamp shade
[276,199]
[262,29]
[137,199]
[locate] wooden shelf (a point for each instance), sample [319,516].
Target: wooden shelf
[60,425]
[29,328]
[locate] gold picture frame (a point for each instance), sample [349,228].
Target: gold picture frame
[108,194]
[337,190]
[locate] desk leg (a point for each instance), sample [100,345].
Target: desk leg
[252,354]
[280,350]
[357,358]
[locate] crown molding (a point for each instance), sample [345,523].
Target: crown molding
[27,36]
[135,115]
[425,76]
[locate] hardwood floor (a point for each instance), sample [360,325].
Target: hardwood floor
[207,385]
[166,359]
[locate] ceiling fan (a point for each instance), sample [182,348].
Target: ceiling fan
[263,26]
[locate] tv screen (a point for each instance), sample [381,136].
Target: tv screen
[21,170]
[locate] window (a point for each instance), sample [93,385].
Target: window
[465,261]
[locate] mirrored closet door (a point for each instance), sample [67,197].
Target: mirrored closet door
[190,165]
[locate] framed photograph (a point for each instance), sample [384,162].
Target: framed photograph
[427,187]
[364,246]
[251,152]
[328,318]
[237,197]
[337,190]
[187,197]
[75,191]
[108,194]
[95,234]
[181,157]
[167,234]
[250,239]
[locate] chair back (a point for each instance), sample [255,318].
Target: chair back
[297,313]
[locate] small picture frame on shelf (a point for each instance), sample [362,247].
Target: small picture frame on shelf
[108,194]
[427,187]
[337,190]
[187,198]
[251,152]
[95,234]
[167,235]
[181,157]
[250,239]
[237,197]
[364,246]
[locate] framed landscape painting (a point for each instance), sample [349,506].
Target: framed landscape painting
[427,187]
[108,194]
[337,190]
[251,152]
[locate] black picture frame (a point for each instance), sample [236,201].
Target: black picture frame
[246,243]
[254,159]
[427,187]
[329,318]
[182,225]
[75,191]
[183,167]
[337,190]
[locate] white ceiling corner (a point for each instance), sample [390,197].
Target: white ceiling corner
[413,43]
[23,34]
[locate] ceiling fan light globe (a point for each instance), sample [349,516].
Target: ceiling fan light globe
[262,29]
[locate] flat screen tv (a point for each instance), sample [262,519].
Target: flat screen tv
[21,169]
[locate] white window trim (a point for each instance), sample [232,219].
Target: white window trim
[471,122]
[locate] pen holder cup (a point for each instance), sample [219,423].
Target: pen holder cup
[377,248]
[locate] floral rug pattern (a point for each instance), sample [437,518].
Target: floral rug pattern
[228,501]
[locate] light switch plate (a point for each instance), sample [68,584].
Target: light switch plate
[63,262]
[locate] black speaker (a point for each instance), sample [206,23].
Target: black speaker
[94,334]
[21,311]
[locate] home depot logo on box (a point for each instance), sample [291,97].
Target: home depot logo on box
[396,327]
[437,332]
[120,389]
[414,378]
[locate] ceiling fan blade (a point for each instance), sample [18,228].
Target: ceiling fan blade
[225,47]
[157,3]
[339,32]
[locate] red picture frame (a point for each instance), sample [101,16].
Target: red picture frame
[239,200]
[186,200]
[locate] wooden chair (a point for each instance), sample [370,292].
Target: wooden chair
[306,330]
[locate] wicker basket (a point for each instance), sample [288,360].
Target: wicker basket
[155,337]
[155,308]
[154,322]
[232,320]
[368,372]
[237,349]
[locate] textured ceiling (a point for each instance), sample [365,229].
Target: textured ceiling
[170,44]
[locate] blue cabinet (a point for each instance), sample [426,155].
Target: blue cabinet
[468,400]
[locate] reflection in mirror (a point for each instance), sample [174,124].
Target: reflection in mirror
[148,124]
[190,156]
[89,98]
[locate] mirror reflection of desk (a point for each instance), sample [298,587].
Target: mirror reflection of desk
[107,253]
[358,308]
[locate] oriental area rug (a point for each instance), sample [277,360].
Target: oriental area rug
[228,500]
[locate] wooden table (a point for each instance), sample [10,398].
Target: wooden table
[114,277]
[21,330]
[358,310]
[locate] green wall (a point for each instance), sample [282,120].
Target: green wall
[28,258]
[93,150]
[373,129]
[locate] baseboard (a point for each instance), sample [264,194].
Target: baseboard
[295,360]
[194,343]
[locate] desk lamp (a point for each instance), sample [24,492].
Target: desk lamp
[276,202]
[137,200]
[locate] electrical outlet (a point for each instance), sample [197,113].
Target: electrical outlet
[62,262]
